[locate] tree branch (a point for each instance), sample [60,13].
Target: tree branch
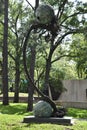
[58,58]
[30,5]
[39,76]
[16,23]
[36,4]
[11,55]
[61,9]
[74,14]
[73,31]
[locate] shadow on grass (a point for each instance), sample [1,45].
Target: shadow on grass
[14,108]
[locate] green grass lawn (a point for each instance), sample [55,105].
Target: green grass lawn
[11,94]
[11,118]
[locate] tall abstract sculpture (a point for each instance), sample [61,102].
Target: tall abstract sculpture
[45,19]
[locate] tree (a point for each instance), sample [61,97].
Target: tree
[16,42]
[5,55]
[78,49]
[67,24]
[30,87]
[2,7]
[17,34]
[32,66]
[1,36]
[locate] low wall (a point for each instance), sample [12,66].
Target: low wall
[76,94]
[82,105]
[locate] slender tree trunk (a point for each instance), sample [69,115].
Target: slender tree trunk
[30,88]
[47,73]
[5,56]
[17,70]
[32,66]
[17,81]
[46,81]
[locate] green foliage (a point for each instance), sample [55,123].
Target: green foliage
[74,22]
[56,84]
[64,69]
[56,87]
[78,49]
[24,86]
[20,18]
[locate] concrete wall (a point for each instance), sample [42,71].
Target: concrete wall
[75,94]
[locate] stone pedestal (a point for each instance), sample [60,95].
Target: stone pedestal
[53,120]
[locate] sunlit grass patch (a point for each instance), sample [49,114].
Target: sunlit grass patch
[11,94]
[14,108]
[78,113]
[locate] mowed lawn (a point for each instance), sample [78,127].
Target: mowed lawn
[11,118]
[11,94]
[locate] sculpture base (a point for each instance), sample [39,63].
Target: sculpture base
[53,120]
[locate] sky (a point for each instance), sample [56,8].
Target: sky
[32,2]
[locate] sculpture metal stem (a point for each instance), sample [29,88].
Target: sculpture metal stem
[44,97]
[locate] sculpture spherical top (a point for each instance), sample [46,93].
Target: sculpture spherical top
[45,14]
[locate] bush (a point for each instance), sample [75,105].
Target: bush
[56,87]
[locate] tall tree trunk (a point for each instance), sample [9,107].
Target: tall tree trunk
[32,66]
[30,88]
[17,81]
[46,80]
[17,70]
[5,56]
[47,73]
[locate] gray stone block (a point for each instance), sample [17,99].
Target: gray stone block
[53,120]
